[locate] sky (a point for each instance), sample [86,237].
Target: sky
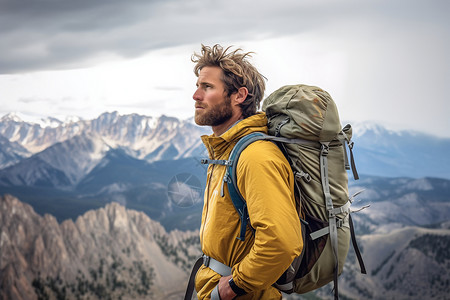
[385,61]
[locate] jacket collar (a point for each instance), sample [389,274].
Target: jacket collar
[219,145]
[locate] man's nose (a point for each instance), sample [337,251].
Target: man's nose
[197,95]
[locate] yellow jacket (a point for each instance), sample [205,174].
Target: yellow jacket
[266,182]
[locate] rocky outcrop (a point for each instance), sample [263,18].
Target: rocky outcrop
[109,252]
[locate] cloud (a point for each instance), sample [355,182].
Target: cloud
[55,34]
[168,88]
[47,101]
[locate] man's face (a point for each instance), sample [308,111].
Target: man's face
[212,106]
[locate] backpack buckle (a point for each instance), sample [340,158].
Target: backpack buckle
[350,145]
[324,149]
[206,260]
[305,176]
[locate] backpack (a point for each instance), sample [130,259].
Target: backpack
[304,122]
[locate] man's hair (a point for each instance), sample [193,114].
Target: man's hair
[237,73]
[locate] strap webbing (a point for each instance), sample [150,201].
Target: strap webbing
[236,197]
[341,209]
[352,161]
[216,266]
[191,283]
[223,162]
[326,230]
[356,248]
[211,263]
[285,287]
[329,205]
[293,141]
[345,139]
[215,293]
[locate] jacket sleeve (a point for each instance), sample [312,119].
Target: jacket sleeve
[265,180]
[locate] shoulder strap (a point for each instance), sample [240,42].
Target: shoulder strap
[231,179]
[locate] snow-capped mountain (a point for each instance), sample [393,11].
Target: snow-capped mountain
[60,165]
[147,137]
[11,152]
[383,152]
[378,151]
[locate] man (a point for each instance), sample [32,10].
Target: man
[229,91]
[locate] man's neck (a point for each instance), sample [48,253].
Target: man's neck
[222,128]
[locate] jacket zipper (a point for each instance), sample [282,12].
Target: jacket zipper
[207,199]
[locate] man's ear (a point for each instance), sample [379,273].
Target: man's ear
[240,95]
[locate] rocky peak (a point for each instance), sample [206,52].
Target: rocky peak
[122,251]
[11,117]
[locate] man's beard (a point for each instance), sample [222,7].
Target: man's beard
[214,116]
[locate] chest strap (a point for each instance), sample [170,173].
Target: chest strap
[211,263]
[216,266]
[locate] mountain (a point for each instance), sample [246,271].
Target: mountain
[61,165]
[132,158]
[378,150]
[399,202]
[118,253]
[387,153]
[404,237]
[117,176]
[84,179]
[11,152]
[145,186]
[107,253]
[146,137]
[405,263]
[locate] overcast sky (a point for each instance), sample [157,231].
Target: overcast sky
[386,61]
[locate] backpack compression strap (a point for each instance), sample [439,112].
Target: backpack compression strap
[331,215]
[343,137]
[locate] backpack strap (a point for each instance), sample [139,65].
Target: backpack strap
[356,248]
[339,222]
[211,263]
[231,179]
[191,283]
[331,213]
[343,137]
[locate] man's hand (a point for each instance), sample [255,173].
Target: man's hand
[225,291]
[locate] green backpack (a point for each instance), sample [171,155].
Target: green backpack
[309,113]
[304,122]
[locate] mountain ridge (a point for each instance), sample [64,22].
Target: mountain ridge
[116,252]
[141,134]
[378,150]
[405,263]
[100,254]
